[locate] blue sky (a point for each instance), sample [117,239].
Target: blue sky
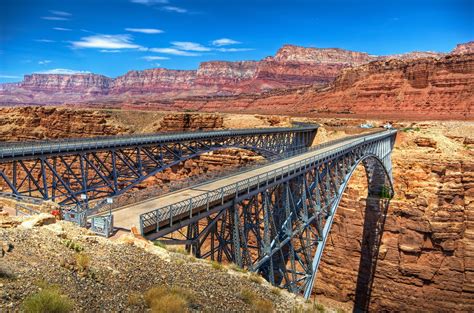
[112,37]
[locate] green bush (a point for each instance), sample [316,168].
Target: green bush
[385,192]
[48,300]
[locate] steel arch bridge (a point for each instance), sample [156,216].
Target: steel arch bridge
[62,170]
[276,223]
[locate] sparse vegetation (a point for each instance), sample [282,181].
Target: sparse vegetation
[83,262]
[262,306]
[237,268]
[73,245]
[217,266]
[385,192]
[169,300]
[159,244]
[255,278]
[247,296]
[411,129]
[47,300]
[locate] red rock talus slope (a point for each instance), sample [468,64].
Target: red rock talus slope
[420,88]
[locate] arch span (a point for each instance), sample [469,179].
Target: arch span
[379,184]
[276,222]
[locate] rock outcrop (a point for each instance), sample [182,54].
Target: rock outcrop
[427,247]
[421,88]
[292,66]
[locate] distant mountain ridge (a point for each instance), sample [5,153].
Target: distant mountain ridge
[291,66]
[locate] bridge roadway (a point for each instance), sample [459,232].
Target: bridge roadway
[128,216]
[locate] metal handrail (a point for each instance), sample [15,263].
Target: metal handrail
[97,206]
[169,211]
[12,149]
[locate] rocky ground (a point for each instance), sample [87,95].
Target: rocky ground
[425,260]
[119,272]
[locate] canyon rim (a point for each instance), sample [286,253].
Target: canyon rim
[168,157]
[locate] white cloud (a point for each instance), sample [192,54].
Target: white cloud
[154,58]
[224,42]
[174,52]
[189,46]
[54,18]
[9,76]
[157,64]
[44,62]
[144,30]
[44,40]
[109,51]
[106,42]
[62,29]
[174,9]
[234,49]
[63,71]
[60,13]
[149,2]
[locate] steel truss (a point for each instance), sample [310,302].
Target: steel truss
[98,167]
[280,227]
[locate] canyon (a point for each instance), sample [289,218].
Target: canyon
[427,246]
[313,76]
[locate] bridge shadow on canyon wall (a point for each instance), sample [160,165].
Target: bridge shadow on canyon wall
[374,222]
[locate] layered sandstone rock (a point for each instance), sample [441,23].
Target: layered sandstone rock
[419,88]
[427,246]
[292,66]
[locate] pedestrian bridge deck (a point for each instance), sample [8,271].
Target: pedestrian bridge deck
[129,216]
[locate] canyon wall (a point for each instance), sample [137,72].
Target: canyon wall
[292,66]
[423,88]
[425,261]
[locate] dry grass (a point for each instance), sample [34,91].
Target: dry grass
[48,300]
[217,266]
[169,300]
[134,299]
[247,296]
[83,262]
[262,306]
[255,278]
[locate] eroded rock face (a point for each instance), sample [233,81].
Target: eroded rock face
[292,66]
[422,88]
[427,247]
[464,48]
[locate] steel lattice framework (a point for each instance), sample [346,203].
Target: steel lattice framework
[107,166]
[277,223]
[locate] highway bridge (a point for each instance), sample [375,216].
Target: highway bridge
[77,171]
[273,219]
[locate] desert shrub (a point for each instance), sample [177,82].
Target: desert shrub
[73,245]
[247,296]
[48,300]
[237,268]
[177,250]
[262,306]
[83,262]
[255,278]
[217,266]
[159,244]
[169,300]
[319,307]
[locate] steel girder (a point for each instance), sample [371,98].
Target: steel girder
[60,173]
[280,229]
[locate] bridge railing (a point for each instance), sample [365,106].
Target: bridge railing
[186,206]
[101,206]
[18,149]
